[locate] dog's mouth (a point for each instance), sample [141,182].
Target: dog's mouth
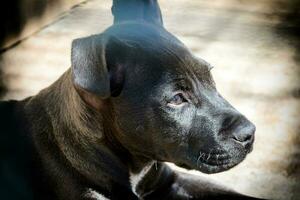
[213,162]
[213,159]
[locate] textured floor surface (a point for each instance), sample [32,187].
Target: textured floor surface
[256,68]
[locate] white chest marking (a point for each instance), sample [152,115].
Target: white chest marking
[136,178]
[182,192]
[94,195]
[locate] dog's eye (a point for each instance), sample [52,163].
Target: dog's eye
[178,99]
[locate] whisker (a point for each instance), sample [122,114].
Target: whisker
[201,154]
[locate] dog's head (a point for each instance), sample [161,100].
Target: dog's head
[163,99]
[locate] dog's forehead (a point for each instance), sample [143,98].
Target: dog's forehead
[176,62]
[162,52]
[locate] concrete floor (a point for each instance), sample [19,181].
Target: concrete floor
[256,69]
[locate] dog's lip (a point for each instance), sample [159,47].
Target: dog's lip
[217,162]
[208,168]
[213,159]
[230,160]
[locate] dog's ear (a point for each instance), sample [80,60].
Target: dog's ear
[98,64]
[89,65]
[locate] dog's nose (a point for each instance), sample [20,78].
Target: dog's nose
[244,133]
[240,129]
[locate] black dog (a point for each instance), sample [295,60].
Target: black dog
[134,98]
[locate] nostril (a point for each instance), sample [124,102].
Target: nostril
[242,137]
[248,137]
[244,134]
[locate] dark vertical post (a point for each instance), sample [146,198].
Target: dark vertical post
[137,10]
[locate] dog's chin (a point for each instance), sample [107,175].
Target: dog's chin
[211,169]
[210,164]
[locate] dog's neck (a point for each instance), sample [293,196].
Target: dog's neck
[84,136]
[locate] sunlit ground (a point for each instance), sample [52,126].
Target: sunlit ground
[256,69]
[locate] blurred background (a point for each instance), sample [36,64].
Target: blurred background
[253,44]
